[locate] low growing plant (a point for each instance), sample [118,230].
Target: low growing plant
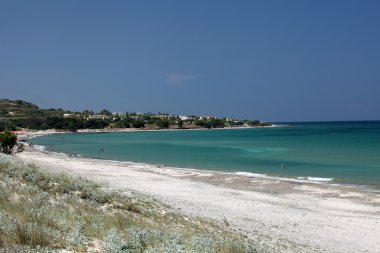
[42,211]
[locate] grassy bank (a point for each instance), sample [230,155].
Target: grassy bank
[45,212]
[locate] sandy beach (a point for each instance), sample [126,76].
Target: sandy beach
[280,215]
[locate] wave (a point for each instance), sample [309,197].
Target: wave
[298,179]
[317,179]
[44,150]
[39,148]
[249,174]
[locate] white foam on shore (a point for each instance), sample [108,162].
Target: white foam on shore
[39,148]
[320,179]
[249,174]
[316,180]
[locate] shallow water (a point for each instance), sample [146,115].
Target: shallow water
[342,152]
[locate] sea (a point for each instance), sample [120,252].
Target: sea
[328,152]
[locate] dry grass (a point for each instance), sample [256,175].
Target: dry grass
[41,211]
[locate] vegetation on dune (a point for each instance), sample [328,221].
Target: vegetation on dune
[45,212]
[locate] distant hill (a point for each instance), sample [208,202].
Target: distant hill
[19,114]
[19,108]
[16,104]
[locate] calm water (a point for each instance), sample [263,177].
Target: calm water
[348,152]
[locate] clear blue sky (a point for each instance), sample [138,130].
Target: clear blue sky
[270,60]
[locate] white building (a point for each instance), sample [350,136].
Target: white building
[68,115]
[97,116]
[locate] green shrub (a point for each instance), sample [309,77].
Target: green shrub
[7,141]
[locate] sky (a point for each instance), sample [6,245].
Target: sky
[269,60]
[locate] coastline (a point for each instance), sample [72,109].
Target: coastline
[284,215]
[28,134]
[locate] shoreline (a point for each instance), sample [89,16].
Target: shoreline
[28,134]
[312,181]
[288,216]
[300,179]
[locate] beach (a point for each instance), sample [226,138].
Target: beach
[190,127]
[280,215]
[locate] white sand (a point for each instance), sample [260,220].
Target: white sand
[282,216]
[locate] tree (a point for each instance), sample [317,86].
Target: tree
[105,112]
[163,123]
[180,123]
[88,112]
[6,125]
[8,141]
[138,124]
[216,123]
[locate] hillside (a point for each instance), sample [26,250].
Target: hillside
[18,114]
[9,108]
[19,108]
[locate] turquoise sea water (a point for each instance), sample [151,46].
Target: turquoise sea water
[348,152]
